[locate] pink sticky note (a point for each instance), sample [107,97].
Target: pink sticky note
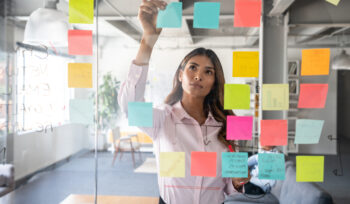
[239,127]
[274,132]
[80,42]
[247,13]
[203,164]
[312,95]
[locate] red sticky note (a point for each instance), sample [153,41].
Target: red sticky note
[274,132]
[80,42]
[239,127]
[312,95]
[203,164]
[247,13]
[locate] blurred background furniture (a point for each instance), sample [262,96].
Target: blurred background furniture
[7,176]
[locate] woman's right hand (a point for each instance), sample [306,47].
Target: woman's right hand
[147,15]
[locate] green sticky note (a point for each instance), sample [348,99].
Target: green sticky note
[309,168]
[140,114]
[81,11]
[334,2]
[81,111]
[206,15]
[236,96]
[271,166]
[308,131]
[275,96]
[234,164]
[171,17]
[172,164]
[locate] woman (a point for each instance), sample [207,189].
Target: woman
[192,118]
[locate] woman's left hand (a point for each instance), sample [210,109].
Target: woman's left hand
[239,182]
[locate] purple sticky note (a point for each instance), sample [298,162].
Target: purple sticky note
[239,127]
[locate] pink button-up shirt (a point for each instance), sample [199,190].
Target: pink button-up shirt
[175,131]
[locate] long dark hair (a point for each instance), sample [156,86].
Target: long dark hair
[214,101]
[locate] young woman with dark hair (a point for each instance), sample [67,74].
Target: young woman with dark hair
[191,119]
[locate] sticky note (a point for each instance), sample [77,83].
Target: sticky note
[239,127]
[81,111]
[203,164]
[236,96]
[315,62]
[80,42]
[273,132]
[234,164]
[247,13]
[172,164]
[334,2]
[245,64]
[206,15]
[312,95]
[275,96]
[79,75]
[308,131]
[271,166]
[309,168]
[171,17]
[140,114]
[81,11]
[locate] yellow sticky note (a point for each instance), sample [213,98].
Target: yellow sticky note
[309,168]
[172,164]
[245,64]
[315,62]
[79,75]
[275,96]
[81,11]
[335,2]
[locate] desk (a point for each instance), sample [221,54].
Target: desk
[103,199]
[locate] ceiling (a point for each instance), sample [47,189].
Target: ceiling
[311,22]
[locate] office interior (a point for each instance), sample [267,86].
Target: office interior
[48,158]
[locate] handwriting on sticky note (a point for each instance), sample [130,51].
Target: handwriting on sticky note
[172,164]
[81,111]
[236,96]
[235,164]
[247,13]
[309,168]
[239,127]
[81,11]
[271,166]
[245,64]
[171,17]
[203,164]
[79,75]
[206,15]
[80,42]
[308,131]
[312,95]
[273,132]
[315,62]
[275,96]
[140,114]
[334,2]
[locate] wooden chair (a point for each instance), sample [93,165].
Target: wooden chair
[125,144]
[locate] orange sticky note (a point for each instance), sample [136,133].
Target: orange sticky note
[203,164]
[247,13]
[79,75]
[315,62]
[80,42]
[313,95]
[274,132]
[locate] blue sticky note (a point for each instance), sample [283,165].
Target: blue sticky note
[206,15]
[140,114]
[271,166]
[234,164]
[308,131]
[81,111]
[171,17]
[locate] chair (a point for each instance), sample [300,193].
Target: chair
[125,144]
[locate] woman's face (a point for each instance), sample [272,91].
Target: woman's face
[198,76]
